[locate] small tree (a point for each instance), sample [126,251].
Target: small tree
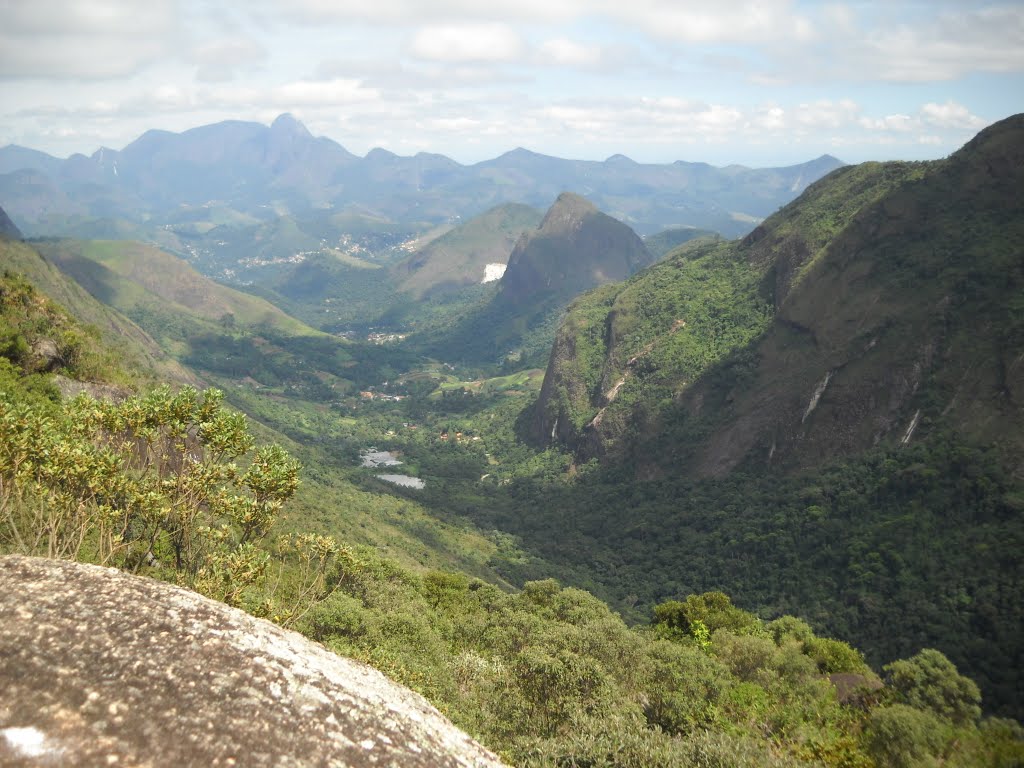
[903,737]
[930,682]
[701,614]
[149,481]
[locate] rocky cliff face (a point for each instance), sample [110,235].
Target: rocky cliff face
[908,323]
[102,668]
[575,248]
[7,227]
[461,257]
[891,296]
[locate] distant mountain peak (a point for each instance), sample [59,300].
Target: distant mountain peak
[379,154]
[518,155]
[575,248]
[566,213]
[287,123]
[620,159]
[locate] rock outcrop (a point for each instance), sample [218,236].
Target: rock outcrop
[7,227]
[575,248]
[71,388]
[98,667]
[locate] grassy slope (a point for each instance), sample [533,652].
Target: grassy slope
[457,258]
[120,333]
[138,274]
[328,500]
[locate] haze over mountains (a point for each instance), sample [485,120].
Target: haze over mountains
[260,172]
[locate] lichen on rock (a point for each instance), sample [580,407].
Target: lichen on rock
[99,667]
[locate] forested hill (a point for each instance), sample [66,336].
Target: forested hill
[829,413]
[575,248]
[881,307]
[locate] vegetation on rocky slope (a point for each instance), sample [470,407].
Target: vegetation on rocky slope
[159,484]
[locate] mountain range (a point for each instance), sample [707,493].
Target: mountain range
[263,172]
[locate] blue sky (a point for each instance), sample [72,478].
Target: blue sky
[758,83]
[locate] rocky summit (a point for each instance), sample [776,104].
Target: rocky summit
[99,667]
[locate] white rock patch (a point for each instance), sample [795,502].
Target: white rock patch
[493,272]
[28,742]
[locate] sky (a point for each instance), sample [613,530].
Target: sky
[763,83]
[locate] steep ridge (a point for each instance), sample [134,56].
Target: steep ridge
[908,324]
[881,306]
[575,248]
[132,344]
[7,227]
[461,257]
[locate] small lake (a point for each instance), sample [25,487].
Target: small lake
[374,459]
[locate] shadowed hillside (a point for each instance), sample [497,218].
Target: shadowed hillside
[881,306]
[576,247]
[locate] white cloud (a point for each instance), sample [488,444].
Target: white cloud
[466,43]
[943,48]
[826,114]
[899,123]
[220,60]
[84,40]
[564,52]
[316,93]
[696,21]
[675,20]
[769,118]
[416,12]
[951,115]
